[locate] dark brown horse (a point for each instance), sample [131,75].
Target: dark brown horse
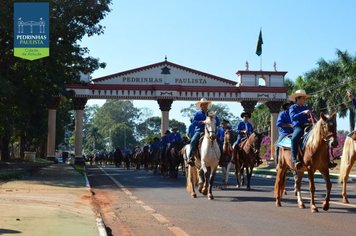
[246,157]
[315,157]
[175,158]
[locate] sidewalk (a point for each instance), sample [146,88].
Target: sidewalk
[54,201]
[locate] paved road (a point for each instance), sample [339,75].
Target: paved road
[163,204]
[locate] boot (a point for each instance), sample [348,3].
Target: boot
[258,161]
[332,165]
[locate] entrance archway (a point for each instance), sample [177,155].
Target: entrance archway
[166,82]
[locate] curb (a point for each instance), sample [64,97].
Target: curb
[99,221]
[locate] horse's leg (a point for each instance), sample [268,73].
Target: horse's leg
[211,182]
[344,182]
[326,176]
[313,208]
[228,171]
[223,169]
[192,175]
[279,185]
[207,171]
[201,180]
[298,186]
[238,174]
[248,175]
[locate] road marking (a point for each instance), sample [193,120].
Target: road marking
[160,218]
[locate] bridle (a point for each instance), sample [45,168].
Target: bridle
[211,133]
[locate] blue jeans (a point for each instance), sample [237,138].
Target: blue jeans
[194,143]
[297,134]
[238,140]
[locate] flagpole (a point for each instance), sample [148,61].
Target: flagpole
[261,63]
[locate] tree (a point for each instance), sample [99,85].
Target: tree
[328,84]
[31,84]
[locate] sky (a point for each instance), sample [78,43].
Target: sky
[218,37]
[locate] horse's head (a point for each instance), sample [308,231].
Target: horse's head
[329,131]
[210,126]
[256,139]
[228,136]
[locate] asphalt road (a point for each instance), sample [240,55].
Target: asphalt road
[168,209]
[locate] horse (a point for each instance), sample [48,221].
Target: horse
[205,167]
[347,161]
[226,156]
[245,158]
[155,157]
[315,157]
[175,158]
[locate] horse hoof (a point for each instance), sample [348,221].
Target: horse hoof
[314,210]
[278,204]
[326,206]
[194,195]
[248,188]
[238,186]
[301,206]
[345,200]
[204,191]
[210,197]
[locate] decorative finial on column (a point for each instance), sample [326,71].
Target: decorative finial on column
[246,65]
[165,58]
[275,66]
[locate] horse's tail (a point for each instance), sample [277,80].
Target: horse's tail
[345,158]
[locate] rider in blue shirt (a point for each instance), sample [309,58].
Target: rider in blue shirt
[165,143]
[284,124]
[191,129]
[244,129]
[198,121]
[175,136]
[299,115]
[225,125]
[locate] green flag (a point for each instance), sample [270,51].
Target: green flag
[259,44]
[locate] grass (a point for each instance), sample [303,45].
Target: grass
[79,168]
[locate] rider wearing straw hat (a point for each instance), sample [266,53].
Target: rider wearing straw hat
[198,121]
[299,115]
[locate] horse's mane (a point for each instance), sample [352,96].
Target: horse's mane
[315,135]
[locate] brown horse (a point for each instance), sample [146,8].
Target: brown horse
[315,157]
[347,161]
[227,156]
[246,157]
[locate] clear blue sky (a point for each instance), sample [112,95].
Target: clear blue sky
[218,37]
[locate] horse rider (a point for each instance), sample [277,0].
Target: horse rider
[191,129]
[284,125]
[352,99]
[244,129]
[155,144]
[198,121]
[174,136]
[225,125]
[300,117]
[165,143]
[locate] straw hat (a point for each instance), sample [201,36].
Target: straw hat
[298,93]
[203,101]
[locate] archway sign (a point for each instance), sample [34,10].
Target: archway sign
[166,82]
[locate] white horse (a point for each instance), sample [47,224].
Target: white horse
[347,161]
[205,167]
